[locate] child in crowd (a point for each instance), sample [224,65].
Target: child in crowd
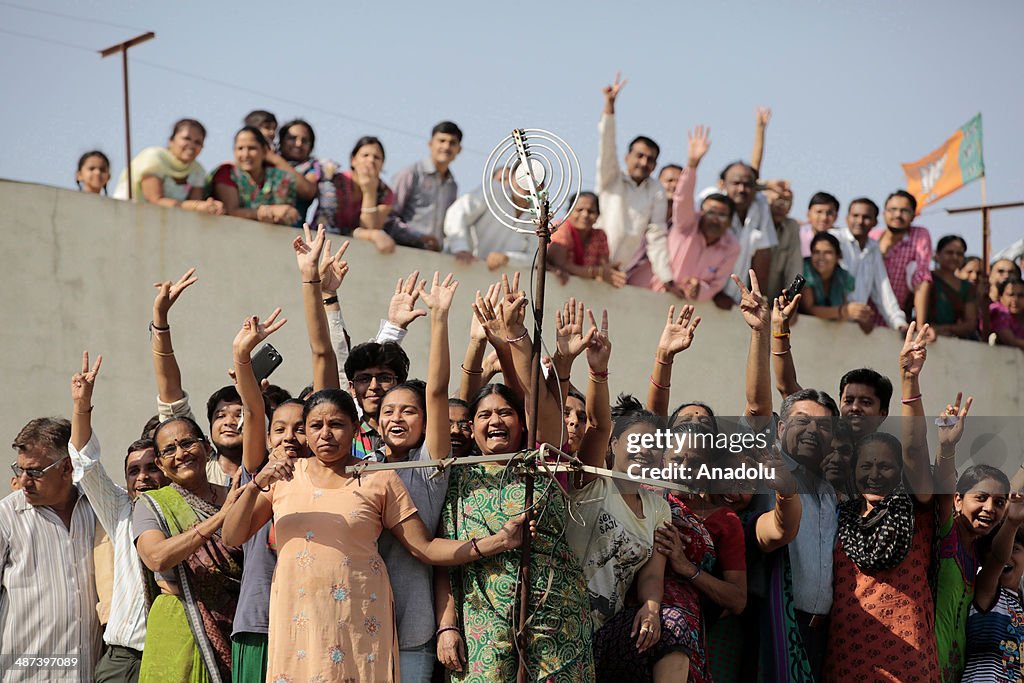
[93,172]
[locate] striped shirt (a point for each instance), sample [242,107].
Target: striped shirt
[113,507]
[47,588]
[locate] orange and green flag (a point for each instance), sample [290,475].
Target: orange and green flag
[957,162]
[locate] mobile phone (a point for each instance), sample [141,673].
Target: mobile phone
[265,361]
[794,289]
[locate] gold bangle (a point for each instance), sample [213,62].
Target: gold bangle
[598,380]
[165,354]
[471,372]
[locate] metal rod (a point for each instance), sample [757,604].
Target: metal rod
[122,48]
[127,122]
[969,209]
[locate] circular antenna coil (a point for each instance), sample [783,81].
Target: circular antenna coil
[525,169]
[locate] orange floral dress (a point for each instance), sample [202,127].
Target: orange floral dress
[331,608]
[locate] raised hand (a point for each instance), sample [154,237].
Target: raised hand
[477,332]
[1015,508]
[784,312]
[512,308]
[914,352]
[611,92]
[699,140]
[762,115]
[401,311]
[753,305]
[332,269]
[253,332]
[678,332]
[439,298]
[570,341]
[599,350]
[307,252]
[83,382]
[167,293]
[485,313]
[953,418]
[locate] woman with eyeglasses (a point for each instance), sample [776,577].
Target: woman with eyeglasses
[178,536]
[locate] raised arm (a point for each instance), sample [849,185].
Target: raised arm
[313,271]
[916,464]
[778,527]
[762,115]
[570,342]
[82,384]
[253,507]
[676,337]
[254,436]
[472,364]
[599,413]
[684,212]
[754,307]
[607,156]
[165,366]
[986,587]
[950,432]
[445,552]
[439,301]
[783,312]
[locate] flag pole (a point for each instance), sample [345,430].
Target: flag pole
[986,247]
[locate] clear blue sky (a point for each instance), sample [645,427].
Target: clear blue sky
[856,88]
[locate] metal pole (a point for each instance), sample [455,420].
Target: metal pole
[127,123]
[523,585]
[122,48]
[986,248]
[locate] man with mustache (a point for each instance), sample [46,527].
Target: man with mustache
[125,634]
[805,434]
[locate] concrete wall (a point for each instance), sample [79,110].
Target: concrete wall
[78,273]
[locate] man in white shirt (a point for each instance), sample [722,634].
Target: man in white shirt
[863,260]
[47,582]
[633,203]
[752,225]
[125,634]
[470,227]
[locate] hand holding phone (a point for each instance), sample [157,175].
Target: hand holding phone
[265,361]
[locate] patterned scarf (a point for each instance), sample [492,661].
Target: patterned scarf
[881,539]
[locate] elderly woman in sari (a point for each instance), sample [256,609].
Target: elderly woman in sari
[249,188]
[177,535]
[171,176]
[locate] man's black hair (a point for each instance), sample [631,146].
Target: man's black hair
[906,195]
[647,141]
[871,378]
[374,354]
[823,198]
[447,128]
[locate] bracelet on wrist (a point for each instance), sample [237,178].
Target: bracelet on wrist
[663,362]
[260,488]
[476,548]
[597,379]
[471,372]
[563,380]
[195,528]
[695,574]
[780,353]
[442,629]
[912,399]
[331,300]
[153,327]
[164,354]
[519,338]
[780,335]
[368,209]
[311,282]
[664,387]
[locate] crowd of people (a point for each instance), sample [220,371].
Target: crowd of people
[880,270]
[252,544]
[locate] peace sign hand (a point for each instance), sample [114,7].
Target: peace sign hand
[612,91]
[253,332]
[753,305]
[332,269]
[953,418]
[82,383]
[914,351]
[167,293]
[307,252]
[599,350]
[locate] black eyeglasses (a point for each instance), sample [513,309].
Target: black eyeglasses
[36,474]
[186,445]
[382,378]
